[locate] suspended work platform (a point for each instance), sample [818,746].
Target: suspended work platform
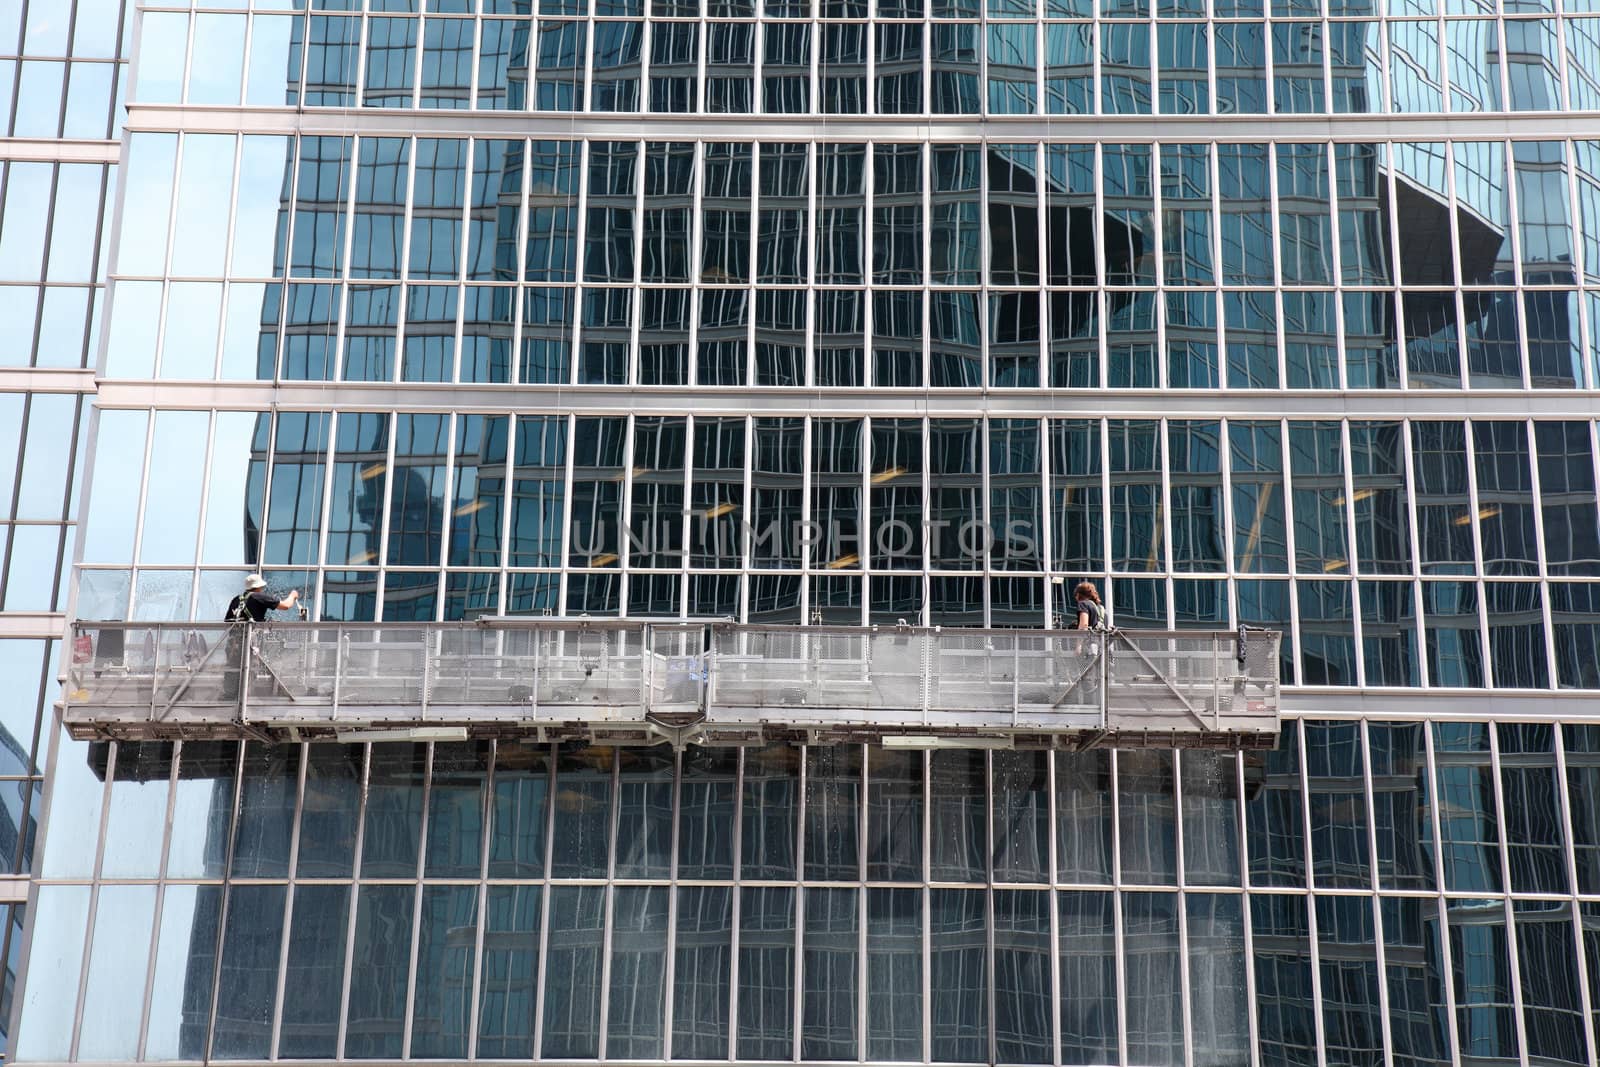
[643,682]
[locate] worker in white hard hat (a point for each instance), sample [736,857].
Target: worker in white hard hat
[251,605]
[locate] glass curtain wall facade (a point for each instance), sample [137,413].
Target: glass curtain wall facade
[62,79]
[849,312]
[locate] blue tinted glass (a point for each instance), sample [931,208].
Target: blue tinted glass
[314,971]
[378,986]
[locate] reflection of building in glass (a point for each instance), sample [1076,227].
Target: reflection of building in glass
[834,313]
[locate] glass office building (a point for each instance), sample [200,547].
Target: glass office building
[819,311]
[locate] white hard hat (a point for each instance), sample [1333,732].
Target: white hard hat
[254,582]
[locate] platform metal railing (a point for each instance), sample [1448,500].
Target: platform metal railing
[685,680]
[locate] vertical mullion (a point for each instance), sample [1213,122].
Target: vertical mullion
[1159,245]
[569,452]
[736,892]
[1054,896]
[416,904]
[1185,979]
[347,210]
[355,895]
[1163,560]
[990,954]
[160,902]
[1229,520]
[1313,946]
[797,1003]
[1275,239]
[610,903]
[392,421]
[288,903]
[1439,900]
[1355,567]
[1453,237]
[1119,930]
[1408,459]
[208,1037]
[670,964]
[1247,929]
[1552,664]
[1513,953]
[474,1008]
[1585,991]
[548,889]
[85,954]
[814,154]
[1380,950]
[1469,439]
[927,905]
[580,256]
[691,355]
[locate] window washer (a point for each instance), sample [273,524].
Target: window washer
[1092,617]
[1092,614]
[249,606]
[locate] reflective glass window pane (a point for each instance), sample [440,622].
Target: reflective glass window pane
[509,972]
[644,818]
[1153,988]
[1582,745]
[442,1000]
[1548,966]
[1125,68]
[114,981]
[828,1000]
[378,987]
[1468,823]
[1210,818]
[833,812]
[393,818]
[1337,804]
[959,975]
[1021,828]
[1088,974]
[701,966]
[766,973]
[1415,975]
[1535,844]
[1383,540]
[768,813]
[322,184]
[957,804]
[1148,817]
[637,994]
[705,810]
[1216,963]
[1453,639]
[1439,471]
[581,842]
[248,975]
[1023,1018]
[138,809]
[572,973]
[1484,983]
[59,920]
[1136,504]
[456,800]
[1276,835]
[1506,520]
[180,992]
[1389,634]
[1280,933]
[266,810]
[1346,941]
[314,972]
